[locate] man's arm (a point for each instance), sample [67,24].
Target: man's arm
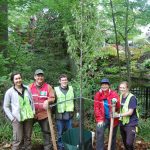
[50,97]
[51,94]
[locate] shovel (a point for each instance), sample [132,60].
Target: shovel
[111,123]
[51,128]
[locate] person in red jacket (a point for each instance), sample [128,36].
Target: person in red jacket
[42,94]
[102,111]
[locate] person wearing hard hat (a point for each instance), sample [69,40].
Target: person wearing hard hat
[128,116]
[102,111]
[42,94]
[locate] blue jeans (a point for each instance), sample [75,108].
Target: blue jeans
[62,125]
[100,136]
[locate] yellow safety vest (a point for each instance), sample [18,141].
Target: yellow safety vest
[67,100]
[26,111]
[125,120]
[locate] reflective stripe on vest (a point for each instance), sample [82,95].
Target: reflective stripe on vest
[67,106]
[39,96]
[125,120]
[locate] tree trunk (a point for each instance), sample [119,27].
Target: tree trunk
[116,37]
[3,27]
[127,51]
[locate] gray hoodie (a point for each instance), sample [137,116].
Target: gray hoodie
[11,103]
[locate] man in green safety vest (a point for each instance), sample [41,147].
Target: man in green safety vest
[65,108]
[128,116]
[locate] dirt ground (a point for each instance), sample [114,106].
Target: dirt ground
[140,145]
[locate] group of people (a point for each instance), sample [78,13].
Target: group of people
[125,115]
[25,105]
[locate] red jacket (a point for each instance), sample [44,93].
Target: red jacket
[99,105]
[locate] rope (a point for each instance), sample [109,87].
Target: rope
[77,98]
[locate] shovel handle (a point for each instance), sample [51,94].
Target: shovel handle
[51,128]
[111,126]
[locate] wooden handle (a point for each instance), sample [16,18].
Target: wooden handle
[51,128]
[111,127]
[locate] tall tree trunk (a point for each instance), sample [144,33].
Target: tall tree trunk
[116,37]
[81,124]
[3,27]
[127,51]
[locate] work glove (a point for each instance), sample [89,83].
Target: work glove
[77,116]
[100,124]
[114,100]
[45,104]
[115,115]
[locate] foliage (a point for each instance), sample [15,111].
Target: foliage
[3,63]
[63,33]
[5,129]
[144,128]
[47,40]
[36,135]
[146,64]
[125,18]
[85,28]
[49,48]
[43,46]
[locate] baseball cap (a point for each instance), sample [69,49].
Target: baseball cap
[39,71]
[105,80]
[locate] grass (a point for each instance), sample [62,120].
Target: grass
[144,129]
[6,131]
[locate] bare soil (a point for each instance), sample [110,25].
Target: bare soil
[140,145]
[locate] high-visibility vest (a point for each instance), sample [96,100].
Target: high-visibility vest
[25,107]
[39,96]
[125,120]
[65,101]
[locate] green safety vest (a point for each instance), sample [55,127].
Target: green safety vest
[66,106]
[125,120]
[26,111]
